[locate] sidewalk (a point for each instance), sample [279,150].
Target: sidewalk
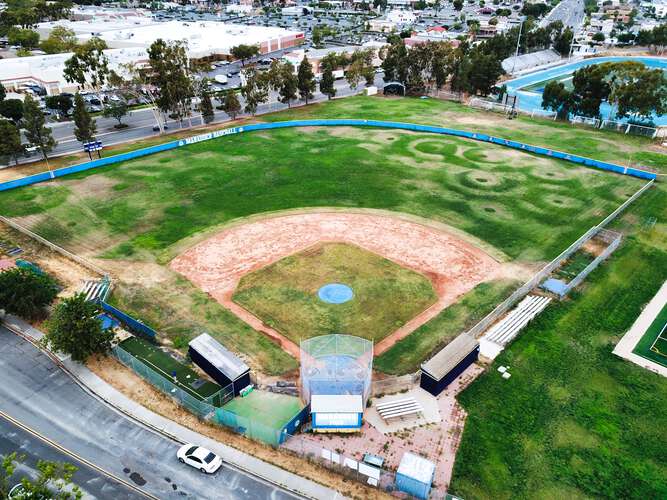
[119,401]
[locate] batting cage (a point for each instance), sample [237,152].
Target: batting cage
[336,364]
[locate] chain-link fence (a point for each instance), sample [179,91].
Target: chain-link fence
[392,385]
[203,408]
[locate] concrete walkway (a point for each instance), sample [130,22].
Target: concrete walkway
[88,380]
[626,345]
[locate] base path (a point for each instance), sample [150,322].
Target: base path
[453,265]
[629,341]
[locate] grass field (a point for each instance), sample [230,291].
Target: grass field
[575,421]
[167,366]
[139,214]
[284,294]
[653,344]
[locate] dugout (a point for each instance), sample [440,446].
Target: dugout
[336,412]
[443,368]
[219,363]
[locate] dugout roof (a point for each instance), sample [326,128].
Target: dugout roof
[216,354]
[452,354]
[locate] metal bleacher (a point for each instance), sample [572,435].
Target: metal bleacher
[399,408]
[93,289]
[509,327]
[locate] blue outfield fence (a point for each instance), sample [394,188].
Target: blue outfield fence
[110,160]
[128,321]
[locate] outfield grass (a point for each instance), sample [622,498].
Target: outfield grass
[409,353]
[166,366]
[575,421]
[139,212]
[284,294]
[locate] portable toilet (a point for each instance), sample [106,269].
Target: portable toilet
[415,475]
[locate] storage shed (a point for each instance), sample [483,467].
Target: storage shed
[336,412]
[220,364]
[415,475]
[443,368]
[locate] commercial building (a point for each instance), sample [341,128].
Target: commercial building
[315,56]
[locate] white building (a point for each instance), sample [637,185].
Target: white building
[128,39]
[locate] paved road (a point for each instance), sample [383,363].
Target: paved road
[141,122]
[34,391]
[570,12]
[93,484]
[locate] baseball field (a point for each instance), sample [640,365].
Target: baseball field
[215,236]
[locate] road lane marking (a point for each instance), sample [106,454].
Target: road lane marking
[64,450]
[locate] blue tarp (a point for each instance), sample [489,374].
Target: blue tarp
[554,285]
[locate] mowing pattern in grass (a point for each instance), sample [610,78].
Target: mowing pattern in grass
[653,344]
[167,366]
[284,294]
[574,420]
[530,208]
[407,354]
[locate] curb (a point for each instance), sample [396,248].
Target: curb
[141,422]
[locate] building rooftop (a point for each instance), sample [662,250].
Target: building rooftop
[216,354]
[417,468]
[453,353]
[321,403]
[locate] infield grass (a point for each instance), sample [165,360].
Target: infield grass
[284,294]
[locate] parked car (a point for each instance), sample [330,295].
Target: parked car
[199,458]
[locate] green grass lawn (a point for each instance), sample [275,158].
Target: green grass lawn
[574,420]
[528,208]
[165,365]
[284,294]
[650,347]
[409,353]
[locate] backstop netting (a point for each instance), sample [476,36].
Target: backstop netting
[336,364]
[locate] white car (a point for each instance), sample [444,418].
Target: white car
[199,458]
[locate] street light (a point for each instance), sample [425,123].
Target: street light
[518,41]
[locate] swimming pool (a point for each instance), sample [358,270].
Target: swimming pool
[532,99]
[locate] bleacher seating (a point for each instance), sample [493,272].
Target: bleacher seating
[399,408]
[505,330]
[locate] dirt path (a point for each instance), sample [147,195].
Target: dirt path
[453,265]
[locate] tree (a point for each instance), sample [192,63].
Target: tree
[306,80]
[244,52]
[458,4]
[170,73]
[35,130]
[76,329]
[12,109]
[557,98]
[327,86]
[54,480]
[361,67]
[395,62]
[255,91]
[591,87]
[563,41]
[88,66]
[639,91]
[61,39]
[484,71]
[117,110]
[281,77]
[3,93]
[26,293]
[25,38]
[206,108]
[61,103]
[85,126]
[10,141]
[231,105]
[599,37]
